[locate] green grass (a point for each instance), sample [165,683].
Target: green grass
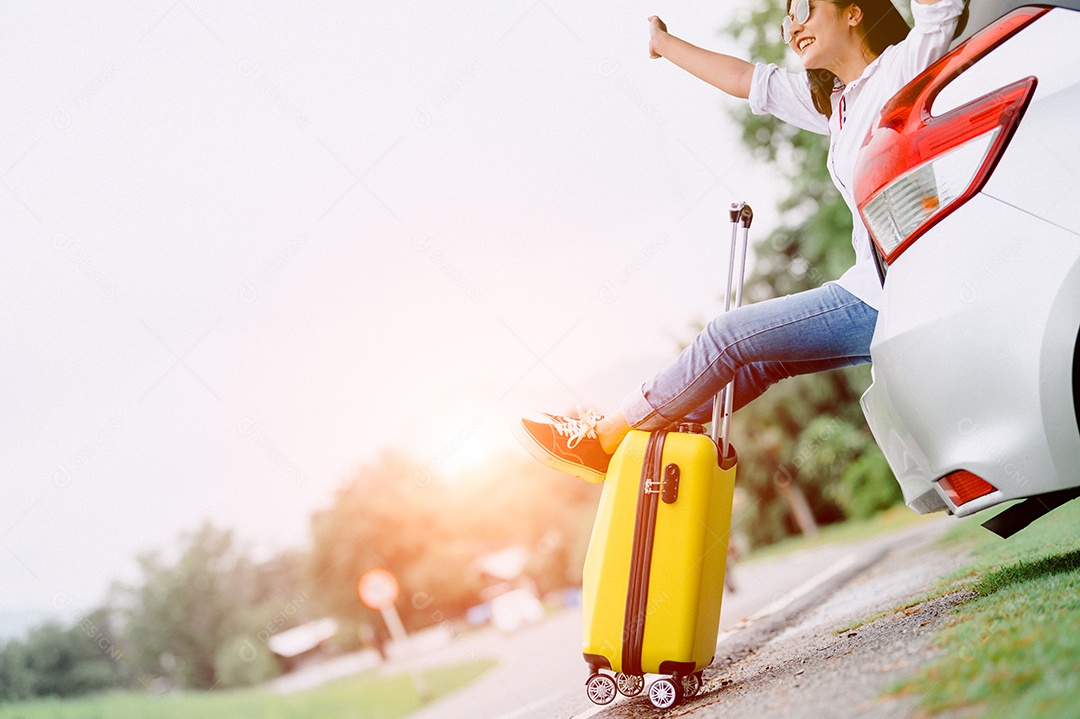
[1013,649]
[369,696]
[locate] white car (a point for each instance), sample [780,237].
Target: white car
[970,187]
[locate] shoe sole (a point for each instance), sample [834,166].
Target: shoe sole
[543,455]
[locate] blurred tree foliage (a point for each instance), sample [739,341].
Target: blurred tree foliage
[809,431]
[181,613]
[62,662]
[429,532]
[188,617]
[201,616]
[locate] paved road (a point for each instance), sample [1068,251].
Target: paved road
[796,663]
[541,674]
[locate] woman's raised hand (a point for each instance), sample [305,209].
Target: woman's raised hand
[728,73]
[656,29]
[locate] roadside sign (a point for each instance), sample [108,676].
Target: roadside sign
[378,589]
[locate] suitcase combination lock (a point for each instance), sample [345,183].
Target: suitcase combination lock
[668,487]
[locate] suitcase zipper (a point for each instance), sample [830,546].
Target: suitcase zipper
[637,595]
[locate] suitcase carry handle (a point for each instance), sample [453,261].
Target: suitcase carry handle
[741,216]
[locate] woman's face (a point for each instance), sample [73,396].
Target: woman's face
[824,37]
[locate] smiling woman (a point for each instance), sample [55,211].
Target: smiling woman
[877,22]
[856,55]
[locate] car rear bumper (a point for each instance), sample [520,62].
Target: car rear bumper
[989,298]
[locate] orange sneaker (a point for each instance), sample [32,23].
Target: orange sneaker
[568,444]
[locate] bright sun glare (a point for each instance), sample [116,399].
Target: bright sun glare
[473,446]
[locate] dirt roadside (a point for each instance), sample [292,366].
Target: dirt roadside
[795,663]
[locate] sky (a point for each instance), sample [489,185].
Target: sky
[249,246]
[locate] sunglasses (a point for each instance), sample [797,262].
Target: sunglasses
[800,12]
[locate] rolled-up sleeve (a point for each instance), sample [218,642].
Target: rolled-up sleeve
[931,35]
[786,95]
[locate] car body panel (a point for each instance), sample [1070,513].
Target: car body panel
[969,364]
[1040,170]
[981,13]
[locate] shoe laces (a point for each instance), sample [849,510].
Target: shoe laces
[577,428]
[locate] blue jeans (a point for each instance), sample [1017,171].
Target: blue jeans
[759,345]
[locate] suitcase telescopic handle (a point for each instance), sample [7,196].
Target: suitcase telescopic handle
[741,216]
[741,213]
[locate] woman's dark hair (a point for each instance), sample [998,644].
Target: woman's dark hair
[883,25]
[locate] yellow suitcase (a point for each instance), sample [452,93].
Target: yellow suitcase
[654,573]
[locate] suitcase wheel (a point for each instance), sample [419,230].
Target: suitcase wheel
[691,684]
[630,685]
[600,688]
[665,693]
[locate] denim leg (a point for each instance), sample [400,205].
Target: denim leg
[758,344]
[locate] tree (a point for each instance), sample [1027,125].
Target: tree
[62,662]
[203,621]
[429,533]
[16,678]
[806,432]
[185,613]
[243,662]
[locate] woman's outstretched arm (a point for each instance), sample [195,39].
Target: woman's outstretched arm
[730,74]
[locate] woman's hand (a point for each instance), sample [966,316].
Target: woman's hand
[657,29]
[728,73]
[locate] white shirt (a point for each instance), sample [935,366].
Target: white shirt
[786,95]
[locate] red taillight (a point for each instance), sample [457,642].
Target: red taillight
[915,169]
[962,487]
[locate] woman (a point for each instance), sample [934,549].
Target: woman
[856,55]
